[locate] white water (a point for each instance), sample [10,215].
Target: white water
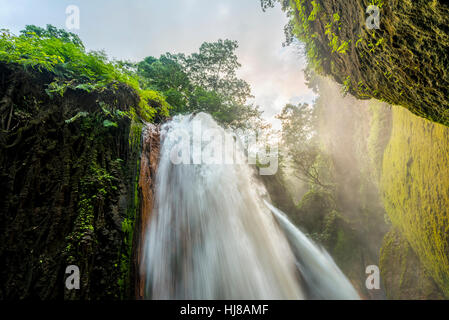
[211,236]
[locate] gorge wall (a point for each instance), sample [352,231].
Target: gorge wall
[68,168]
[147,181]
[415,189]
[388,205]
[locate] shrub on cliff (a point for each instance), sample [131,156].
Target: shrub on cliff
[63,54]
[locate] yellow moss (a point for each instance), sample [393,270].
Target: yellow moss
[415,187]
[147,111]
[402,273]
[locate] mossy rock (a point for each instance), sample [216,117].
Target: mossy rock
[63,173]
[313,208]
[402,274]
[415,189]
[350,251]
[404,62]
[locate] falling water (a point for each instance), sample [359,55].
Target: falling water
[211,236]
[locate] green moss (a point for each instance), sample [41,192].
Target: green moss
[402,63]
[415,187]
[75,70]
[343,250]
[313,208]
[129,222]
[402,273]
[94,188]
[342,241]
[76,180]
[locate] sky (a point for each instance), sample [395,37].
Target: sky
[134,29]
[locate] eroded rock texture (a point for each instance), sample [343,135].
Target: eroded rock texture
[147,181]
[67,172]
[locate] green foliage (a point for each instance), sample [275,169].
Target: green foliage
[94,187]
[135,135]
[128,224]
[52,32]
[214,68]
[166,75]
[28,51]
[109,123]
[315,10]
[152,103]
[63,54]
[415,185]
[65,59]
[403,274]
[334,42]
[314,206]
[300,138]
[331,229]
[204,81]
[77,116]
[300,26]
[382,63]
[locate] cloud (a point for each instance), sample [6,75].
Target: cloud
[223,10]
[276,77]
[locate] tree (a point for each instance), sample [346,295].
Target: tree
[214,68]
[299,136]
[168,76]
[203,81]
[52,32]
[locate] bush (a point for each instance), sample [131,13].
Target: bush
[74,67]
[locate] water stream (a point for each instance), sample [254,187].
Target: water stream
[212,233]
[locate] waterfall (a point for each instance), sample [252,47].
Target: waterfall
[322,277]
[211,235]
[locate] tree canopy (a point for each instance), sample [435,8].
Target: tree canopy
[52,32]
[203,81]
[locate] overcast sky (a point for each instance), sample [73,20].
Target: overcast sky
[134,29]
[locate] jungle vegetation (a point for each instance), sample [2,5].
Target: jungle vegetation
[70,147]
[172,84]
[403,62]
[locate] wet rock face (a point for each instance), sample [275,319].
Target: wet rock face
[147,180]
[64,186]
[403,62]
[402,273]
